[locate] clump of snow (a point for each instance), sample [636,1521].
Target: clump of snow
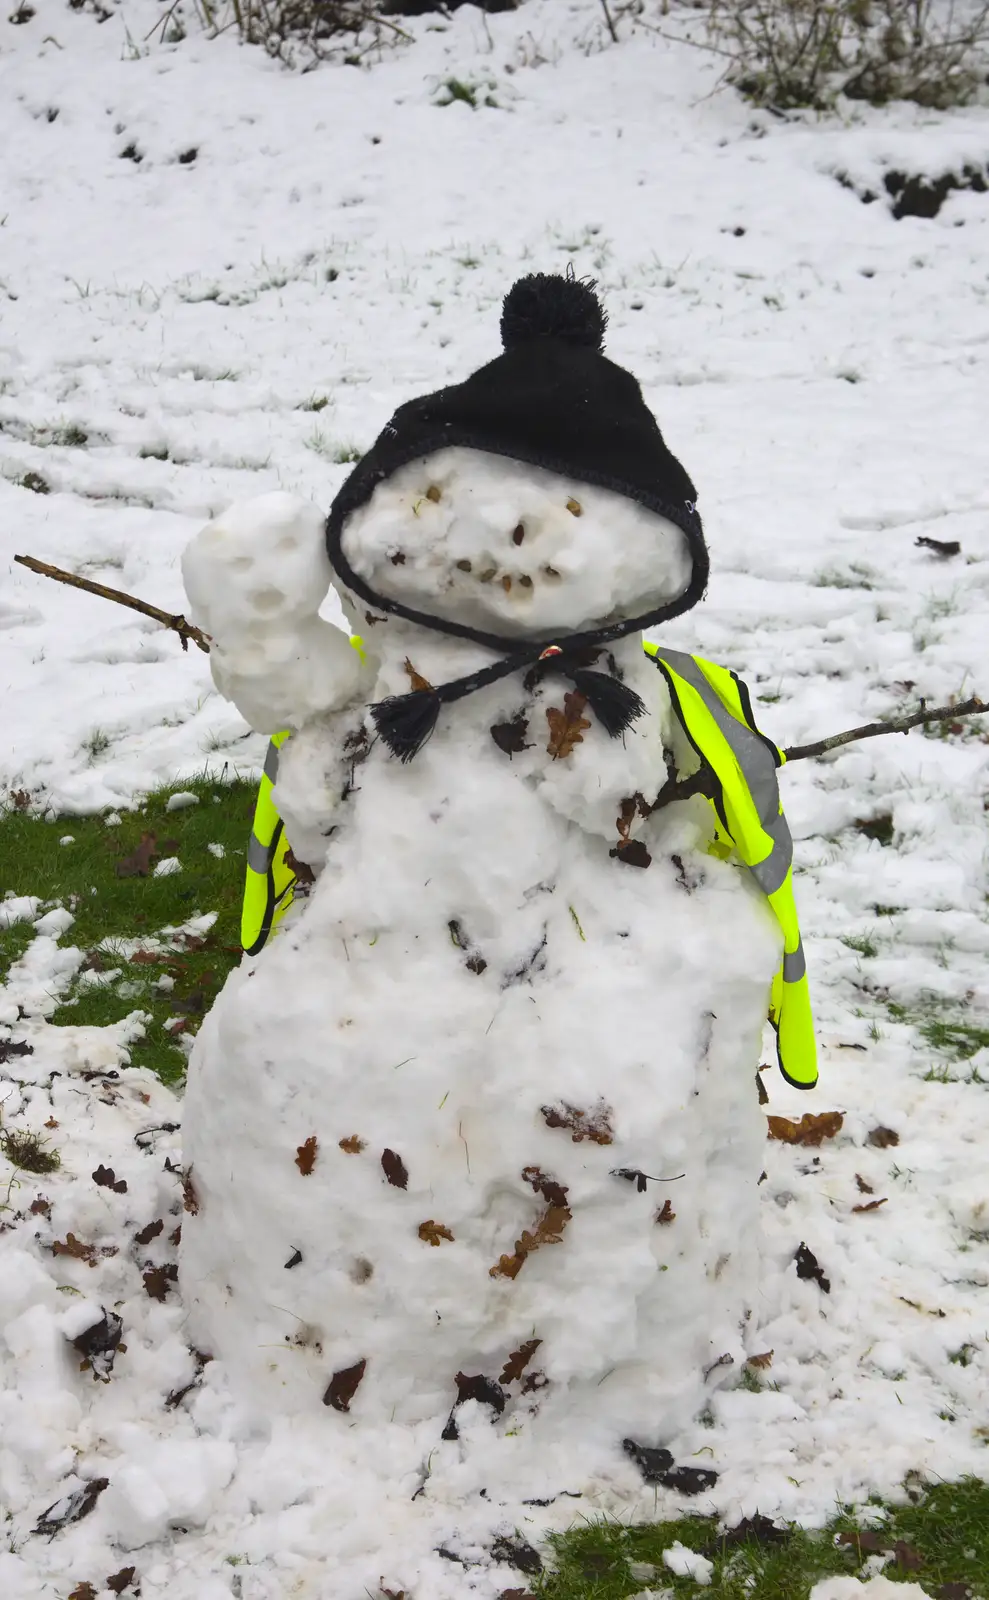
[167,867]
[55,922]
[256,577]
[181,800]
[217,850]
[876,1588]
[515,550]
[67,839]
[18,908]
[687,1563]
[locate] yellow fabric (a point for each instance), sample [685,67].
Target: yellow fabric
[738,827]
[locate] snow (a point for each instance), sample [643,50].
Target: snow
[877,1588]
[687,1563]
[823,377]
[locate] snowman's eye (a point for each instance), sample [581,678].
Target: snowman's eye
[434,493]
[574,507]
[463,566]
[518,534]
[525,581]
[488,574]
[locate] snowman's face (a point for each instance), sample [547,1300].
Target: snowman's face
[513,549]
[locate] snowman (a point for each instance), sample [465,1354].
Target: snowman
[472,1143]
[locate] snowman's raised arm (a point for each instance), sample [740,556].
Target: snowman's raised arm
[256,577]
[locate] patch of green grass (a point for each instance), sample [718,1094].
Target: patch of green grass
[961,1040]
[944,1538]
[861,943]
[108,909]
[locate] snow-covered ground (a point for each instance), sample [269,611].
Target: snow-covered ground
[821,369]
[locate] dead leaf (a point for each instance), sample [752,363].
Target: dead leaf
[51,1123]
[633,853]
[432,1232]
[176,1026]
[41,1206]
[344,1385]
[416,678]
[954,1591]
[72,1507]
[940,547]
[157,1279]
[810,1131]
[150,1232]
[761,1362]
[870,1205]
[83,1591]
[124,1579]
[305,1156]
[20,799]
[190,1199]
[510,736]
[99,1344]
[394,1169]
[566,728]
[865,1541]
[761,1089]
[883,1138]
[106,1178]
[594,1125]
[907,1558]
[138,863]
[517,1362]
[353,1145]
[305,876]
[665,1213]
[548,1230]
[10,1048]
[809,1268]
[147,958]
[517,1552]
[862,1186]
[74,1247]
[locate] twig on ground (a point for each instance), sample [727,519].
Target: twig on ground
[178,624]
[609,20]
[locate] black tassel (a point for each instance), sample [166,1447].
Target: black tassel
[615,705]
[405,721]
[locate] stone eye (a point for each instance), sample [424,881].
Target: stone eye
[518,534]
[463,566]
[434,493]
[525,581]
[574,507]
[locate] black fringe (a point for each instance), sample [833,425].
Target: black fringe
[615,705]
[405,721]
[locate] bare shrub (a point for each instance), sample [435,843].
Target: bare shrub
[790,53]
[302,32]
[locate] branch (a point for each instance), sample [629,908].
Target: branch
[178,624]
[609,21]
[701,782]
[968,708]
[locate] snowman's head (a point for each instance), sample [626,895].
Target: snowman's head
[513,549]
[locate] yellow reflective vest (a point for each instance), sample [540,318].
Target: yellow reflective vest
[713,708]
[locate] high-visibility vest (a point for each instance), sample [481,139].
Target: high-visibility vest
[714,710]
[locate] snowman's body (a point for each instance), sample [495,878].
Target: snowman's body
[488,1023]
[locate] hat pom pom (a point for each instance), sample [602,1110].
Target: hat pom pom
[547,306]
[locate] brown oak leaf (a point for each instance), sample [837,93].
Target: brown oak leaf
[762,1361]
[394,1169]
[566,728]
[344,1385]
[594,1125]
[666,1213]
[810,1130]
[353,1145]
[862,1186]
[138,863]
[190,1199]
[83,1591]
[71,1246]
[416,678]
[126,1578]
[433,1232]
[633,853]
[870,1205]
[305,1156]
[150,1232]
[517,1362]
[883,1138]
[157,1279]
[548,1229]
[106,1178]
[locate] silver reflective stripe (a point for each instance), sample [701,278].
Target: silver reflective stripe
[271,763]
[258,855]
[770,874]
[794,965]
[750,752]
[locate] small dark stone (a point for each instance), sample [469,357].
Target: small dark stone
[294,1259]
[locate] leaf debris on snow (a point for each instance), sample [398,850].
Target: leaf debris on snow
[352,1145]
[810,1131]
[394,1169]
[548,1230]
[566,728]
[594,1125]
[71,1508]
[344,1385]
[305,1156]
[517,1362]
[809,1267]
[106,1178]
[434,1232]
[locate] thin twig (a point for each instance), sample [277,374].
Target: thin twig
[968,708]
[702,781]
[609,21]
[178,624]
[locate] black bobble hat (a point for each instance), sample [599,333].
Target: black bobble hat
[552,399]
